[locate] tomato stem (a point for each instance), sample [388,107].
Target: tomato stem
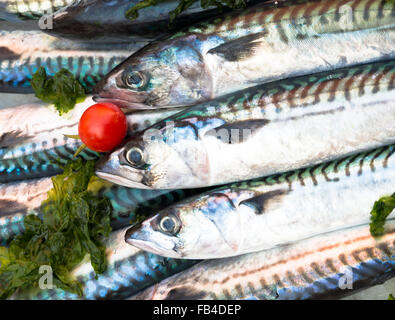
[82,147]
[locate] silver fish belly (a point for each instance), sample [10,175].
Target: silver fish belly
[326,266]
[272,128]
[261,214]
[263,43]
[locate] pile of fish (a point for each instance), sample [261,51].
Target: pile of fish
[258,141]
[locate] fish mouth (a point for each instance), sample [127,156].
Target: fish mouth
[108,169]
[120,180]
[139,237]
[123,103]
[146,246]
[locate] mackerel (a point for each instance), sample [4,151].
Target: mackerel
[272,211]
[79,19]
[242,49]
[327,266]
[272,128]
[23,52]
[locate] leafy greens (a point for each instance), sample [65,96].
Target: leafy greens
[73,224]
[63,90]
[382,208]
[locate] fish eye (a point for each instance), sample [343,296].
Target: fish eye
[135,156]
[170,224]
[134,79]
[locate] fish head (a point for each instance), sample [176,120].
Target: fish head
[202,227]
[158,234]
[80,18]
[162,74]
[164,158]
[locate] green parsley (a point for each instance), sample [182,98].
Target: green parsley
[74,223]
[381,210]
[63,90]
[132,13]
[391,297]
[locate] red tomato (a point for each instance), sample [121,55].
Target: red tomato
[102,127]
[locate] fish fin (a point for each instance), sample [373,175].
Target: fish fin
[240,48]
[237,132]
[10,138]
[262,202]
[185,293]
[8,207]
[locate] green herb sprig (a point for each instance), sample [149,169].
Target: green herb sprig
[382,208]
[75,222]
[63,90]
[132,13]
